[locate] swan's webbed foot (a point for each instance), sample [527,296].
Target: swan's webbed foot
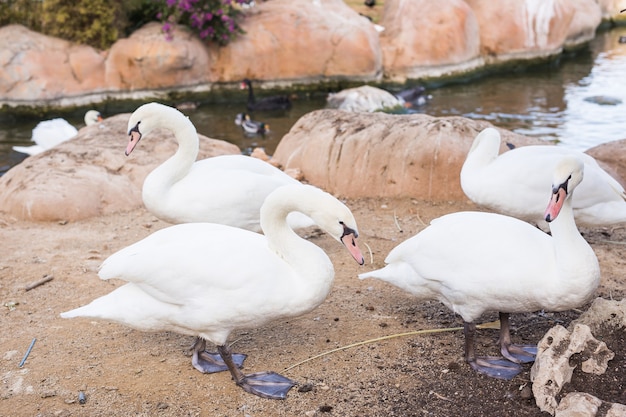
[514,353]
[209,362]
[519,353]
[264,384]
[267,385]
[495,367]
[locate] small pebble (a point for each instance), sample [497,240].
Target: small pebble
[326,409]
[305,388]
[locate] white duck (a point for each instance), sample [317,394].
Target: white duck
[50,133]
[206,280]
[487,179]
[225,189]
[474,262]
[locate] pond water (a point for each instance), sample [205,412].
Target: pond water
[578,101]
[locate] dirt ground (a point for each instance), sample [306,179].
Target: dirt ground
[123,372]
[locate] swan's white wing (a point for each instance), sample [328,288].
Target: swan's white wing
[29,150]
[515,184]
[221,190]
[474,262]
[198,260]
[50,133]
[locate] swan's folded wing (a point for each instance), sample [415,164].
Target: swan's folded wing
[181,262]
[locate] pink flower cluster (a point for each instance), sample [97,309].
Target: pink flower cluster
[211,20]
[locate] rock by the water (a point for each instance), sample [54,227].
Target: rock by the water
[384,155]
[89,175]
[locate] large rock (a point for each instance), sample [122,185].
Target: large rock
[383,155]
[429,38]
[147,60]
[89,175]
[586,20]
[290,42]
[552,368]
[301,40]
[513,29]
[38,68]
[611,156]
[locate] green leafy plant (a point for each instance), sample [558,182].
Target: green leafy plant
[92,22]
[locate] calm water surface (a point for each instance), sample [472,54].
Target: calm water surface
[551,102]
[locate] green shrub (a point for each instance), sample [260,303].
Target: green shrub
[92,22]
[23,12]
[100,23]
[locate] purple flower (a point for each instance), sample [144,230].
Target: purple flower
[185,5]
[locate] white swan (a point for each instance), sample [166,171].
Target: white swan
[363,99]
[227,189]
[475,262]
[206,280]
[50,133]
[514,183]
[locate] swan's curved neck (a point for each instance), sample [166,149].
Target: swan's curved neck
[576,260]
[309,261]
[564,229]
[178,165]
[482,153]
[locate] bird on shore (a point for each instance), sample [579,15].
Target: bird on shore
[207,280]
[251,127]
[475,262]
[486,178]
[50,133]
[281,102]
[227,189]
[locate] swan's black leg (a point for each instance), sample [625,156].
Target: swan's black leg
[264,384]
[495,367]
[514,353]
[210,362]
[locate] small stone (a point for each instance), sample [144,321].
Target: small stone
[326,409]
[48,394]
[305,388]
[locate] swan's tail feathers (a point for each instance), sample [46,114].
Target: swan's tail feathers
[28,150]
[127,305]
[403,276]
[390,272]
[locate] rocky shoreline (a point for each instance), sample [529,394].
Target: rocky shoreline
[300,45]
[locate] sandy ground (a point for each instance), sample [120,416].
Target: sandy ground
[123,372]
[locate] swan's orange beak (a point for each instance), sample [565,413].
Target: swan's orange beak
[349,241]
[134,135]
[555,204]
